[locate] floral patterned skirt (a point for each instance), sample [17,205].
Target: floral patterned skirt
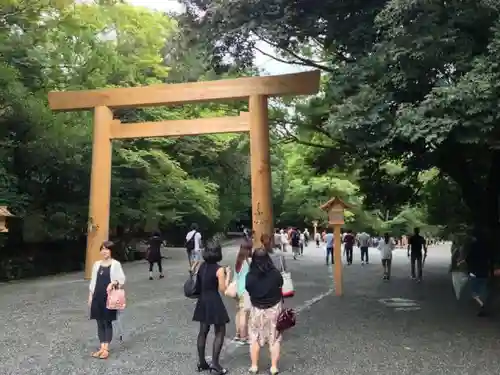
[262,325]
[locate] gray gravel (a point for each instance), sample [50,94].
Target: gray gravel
[46,328]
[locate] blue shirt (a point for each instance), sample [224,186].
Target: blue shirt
[329,240]
[241,278]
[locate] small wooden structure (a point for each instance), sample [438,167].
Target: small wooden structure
[335,208]
[4,214]
[254,89]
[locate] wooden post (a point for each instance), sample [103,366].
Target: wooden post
[262,214]
[337,267]
[335,208]
[100,186]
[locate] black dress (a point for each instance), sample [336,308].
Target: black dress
[154,251]
[98,310]
[209,309]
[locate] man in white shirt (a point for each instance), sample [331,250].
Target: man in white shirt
[364,244]
[193,244]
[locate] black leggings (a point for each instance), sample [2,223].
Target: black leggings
[105,331]
[160,269]
[220,333]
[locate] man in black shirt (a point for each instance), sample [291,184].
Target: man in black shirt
[416,244]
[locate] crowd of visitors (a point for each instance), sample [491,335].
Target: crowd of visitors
[257,287]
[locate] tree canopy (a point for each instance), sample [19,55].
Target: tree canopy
[404,129]
[410,88]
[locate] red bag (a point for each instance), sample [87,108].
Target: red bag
[286,320]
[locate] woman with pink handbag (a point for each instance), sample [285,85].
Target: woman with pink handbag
[106,297]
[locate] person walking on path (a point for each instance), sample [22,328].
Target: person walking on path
[295,242]
[284,240]
[302,242]
[277,239]
[416,244]
[329,246]
[317,238]
[106,274]
[364,244]
[386,247]
[210,310]
[478,264]
[263,284]
[241,269]
[193,244]
[349,246]
[306,237]
[154,254]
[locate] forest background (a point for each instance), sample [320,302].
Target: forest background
[405,128]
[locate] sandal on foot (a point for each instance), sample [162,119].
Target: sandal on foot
[97,354]
[104,354]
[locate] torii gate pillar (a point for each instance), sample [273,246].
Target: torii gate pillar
[262,207]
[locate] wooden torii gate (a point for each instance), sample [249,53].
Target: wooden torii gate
[254,89]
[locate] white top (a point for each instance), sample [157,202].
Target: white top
[364,239]
[116,273]
[386,249]
[197,239]
[317,236]
[302,238]
[284,238]
[277,239]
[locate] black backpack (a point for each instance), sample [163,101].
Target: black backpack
[190,243]
[295,238]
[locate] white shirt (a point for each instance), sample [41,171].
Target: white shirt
[317,237]
[364,239]
[386,248]
[302,238]
[115,273]
[197,239]
[277,239]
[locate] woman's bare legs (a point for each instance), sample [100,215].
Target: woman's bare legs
[254,356]
[243,324]
[275,356]
[237,322]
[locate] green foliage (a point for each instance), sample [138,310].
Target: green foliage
[412,84]
[45,157]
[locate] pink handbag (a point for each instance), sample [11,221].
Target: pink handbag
[116,299]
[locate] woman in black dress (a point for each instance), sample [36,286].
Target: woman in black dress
[106,274]
[210,310]
[154,254]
